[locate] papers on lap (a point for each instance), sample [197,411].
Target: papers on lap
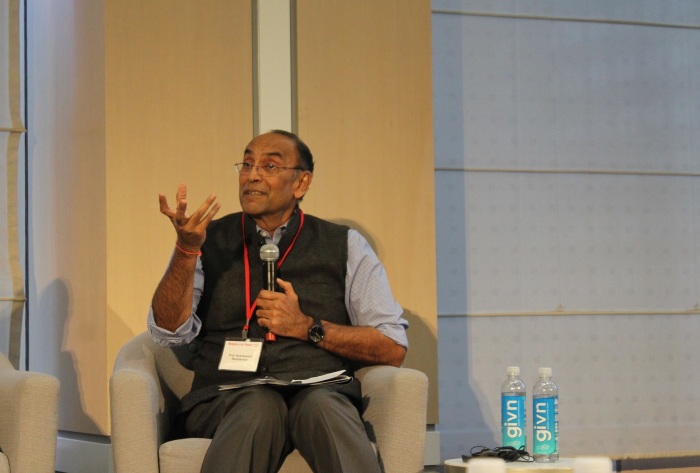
[336,377]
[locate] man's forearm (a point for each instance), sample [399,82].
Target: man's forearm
[172,301]
[364,344]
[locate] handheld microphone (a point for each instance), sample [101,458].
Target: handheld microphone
[270,254]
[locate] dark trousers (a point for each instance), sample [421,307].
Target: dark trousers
[254,429]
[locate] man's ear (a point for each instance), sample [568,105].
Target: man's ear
[304,183]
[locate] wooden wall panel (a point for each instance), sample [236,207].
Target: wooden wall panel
[365,109]
[179,108]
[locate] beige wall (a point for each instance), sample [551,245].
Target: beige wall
[365,110]
[179,110]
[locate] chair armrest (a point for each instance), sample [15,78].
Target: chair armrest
[28,418]
[136,405]
[395,401]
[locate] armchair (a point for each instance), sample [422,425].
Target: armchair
[28,420]
[149,380]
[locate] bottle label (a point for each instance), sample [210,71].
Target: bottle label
[545,426]
[513,420]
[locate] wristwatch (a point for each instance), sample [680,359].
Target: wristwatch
[316,332]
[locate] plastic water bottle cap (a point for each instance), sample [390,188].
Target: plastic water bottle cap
[545,372]
[486,465]
[593,465]
[513,371]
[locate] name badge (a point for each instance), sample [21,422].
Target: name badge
[241,355]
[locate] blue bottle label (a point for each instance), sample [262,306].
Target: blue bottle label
[545,425]
[513,420]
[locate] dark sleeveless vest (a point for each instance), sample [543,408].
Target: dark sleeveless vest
[316,266]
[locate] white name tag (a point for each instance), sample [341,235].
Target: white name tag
[241,355]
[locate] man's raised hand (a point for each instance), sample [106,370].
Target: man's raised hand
[191,229]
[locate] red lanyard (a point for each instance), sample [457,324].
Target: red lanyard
[250,309]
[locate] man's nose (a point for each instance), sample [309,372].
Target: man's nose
[254,174]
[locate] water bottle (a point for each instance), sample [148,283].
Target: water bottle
[545,418]
[513,409]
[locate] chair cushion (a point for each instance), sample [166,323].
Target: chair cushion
[186,456]
[183,456]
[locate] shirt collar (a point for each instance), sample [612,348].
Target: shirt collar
[275,237]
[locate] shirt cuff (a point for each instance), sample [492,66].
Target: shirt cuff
[396,333]
[184,334]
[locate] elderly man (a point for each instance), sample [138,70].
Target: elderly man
[333,310]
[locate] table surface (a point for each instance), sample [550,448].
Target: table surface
[564,465]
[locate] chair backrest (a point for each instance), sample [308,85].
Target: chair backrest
[28,419]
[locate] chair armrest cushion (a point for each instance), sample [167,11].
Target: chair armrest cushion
[28,418]
[4,465]
[136,405]
[395,402]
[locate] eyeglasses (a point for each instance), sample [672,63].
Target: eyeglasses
[268,169]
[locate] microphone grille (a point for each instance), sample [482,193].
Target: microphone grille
[269,252]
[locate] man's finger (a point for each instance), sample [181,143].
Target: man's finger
[286,287]
[205,213]
[210,215]
[181,203]
[181,192]
[164,209]
[263,296]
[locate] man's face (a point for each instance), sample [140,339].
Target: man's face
[272,197]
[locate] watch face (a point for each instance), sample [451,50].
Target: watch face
[316,333]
